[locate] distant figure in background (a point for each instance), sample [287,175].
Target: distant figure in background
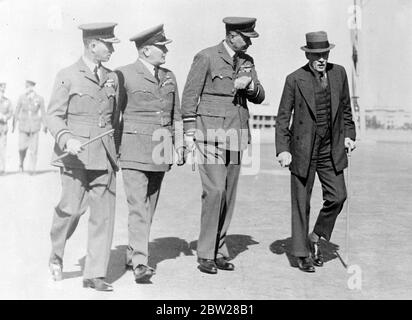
[6,112]
[316,97]
[81,108]
[30,114]
[150,103]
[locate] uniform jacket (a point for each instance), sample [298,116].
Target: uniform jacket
[147,107]
[6,112]
[30,113]
[298,103]
[209,99]
[82,108]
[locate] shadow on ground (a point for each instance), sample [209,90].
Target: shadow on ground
[236,244]
[284,246]
[161,249]
[115,270]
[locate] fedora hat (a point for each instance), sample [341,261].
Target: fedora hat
[317,42]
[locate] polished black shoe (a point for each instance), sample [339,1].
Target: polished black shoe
[305,264]
[316,253]
[143,273]
[56,270]
[223,264]
[207,266]
[98,284]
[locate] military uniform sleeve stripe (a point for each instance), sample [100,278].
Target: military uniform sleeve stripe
[189,119]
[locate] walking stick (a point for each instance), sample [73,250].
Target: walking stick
[348,191]
[65,154]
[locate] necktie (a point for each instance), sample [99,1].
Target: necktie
[235,61]
[323,80]
[96,72]
[156,74]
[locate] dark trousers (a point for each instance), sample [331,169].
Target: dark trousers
[219,182]
[142,189]
[334,196]
[81,189]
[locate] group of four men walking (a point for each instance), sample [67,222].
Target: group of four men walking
[141,102]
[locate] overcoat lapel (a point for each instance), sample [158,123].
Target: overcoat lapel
[335,85]
[305,85]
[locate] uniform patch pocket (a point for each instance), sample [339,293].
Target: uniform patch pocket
[82,91]
[210,118]
[222,73]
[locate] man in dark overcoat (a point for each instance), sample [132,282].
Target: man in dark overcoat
[316,98]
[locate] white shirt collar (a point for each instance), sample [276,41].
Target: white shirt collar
[229,49]
[149,66]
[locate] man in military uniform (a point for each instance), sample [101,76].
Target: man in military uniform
[6,111]
[215,115]
[81,108]
[30,114]
[317,97]
[151,114]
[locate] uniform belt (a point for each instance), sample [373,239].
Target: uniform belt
[101,121]
[150,117]
[221,100]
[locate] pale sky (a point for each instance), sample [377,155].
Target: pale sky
[41,36]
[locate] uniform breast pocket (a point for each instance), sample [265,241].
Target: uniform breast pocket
[142,93]
[223,80]
[81,96]
[82,91]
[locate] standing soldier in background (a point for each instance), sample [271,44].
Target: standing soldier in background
[6,111]
[30,114]
[151,114]
[81,108]
[316,98]
[215,114]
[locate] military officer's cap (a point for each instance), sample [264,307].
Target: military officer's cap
[103,31]
[30,83]
[243,25]
[152,36]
